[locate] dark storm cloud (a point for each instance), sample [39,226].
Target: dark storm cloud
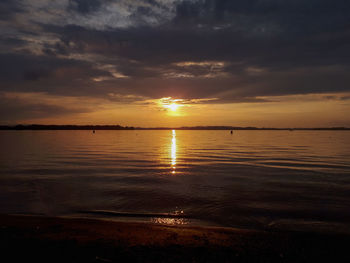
[6,42]
[85,6]
[49,74]
[156,50]
[19,109]
[291,16]
[239,50]
[8,8]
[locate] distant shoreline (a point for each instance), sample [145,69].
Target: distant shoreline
[118,127]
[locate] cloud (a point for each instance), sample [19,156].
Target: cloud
[235,51]
[8,8]
[47,74]
[85,6]
[23,106]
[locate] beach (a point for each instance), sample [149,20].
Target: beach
[26,238]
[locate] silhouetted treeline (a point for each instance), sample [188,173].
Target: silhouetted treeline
[118,127]
[65,127]
[239,128]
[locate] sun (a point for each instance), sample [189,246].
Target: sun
[173,106]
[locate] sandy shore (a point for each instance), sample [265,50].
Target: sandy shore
[42,239]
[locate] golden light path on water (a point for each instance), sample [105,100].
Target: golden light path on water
[173,152]
[178,213]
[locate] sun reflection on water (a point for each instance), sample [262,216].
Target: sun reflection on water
[173,152]
[170,221]
[178,217]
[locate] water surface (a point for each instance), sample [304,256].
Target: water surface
[254,179]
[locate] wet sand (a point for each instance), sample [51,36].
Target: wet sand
[44,239]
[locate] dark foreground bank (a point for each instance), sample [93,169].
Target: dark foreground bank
[42,239]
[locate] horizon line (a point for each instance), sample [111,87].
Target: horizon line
[120,127]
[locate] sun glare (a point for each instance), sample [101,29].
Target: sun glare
[173,106]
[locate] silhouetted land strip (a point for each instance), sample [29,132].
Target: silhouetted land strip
[42,239]
[118,127]
[240,128]
[65,127]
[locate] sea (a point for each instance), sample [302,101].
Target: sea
[255,179]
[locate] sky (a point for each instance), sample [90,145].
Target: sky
[151,63]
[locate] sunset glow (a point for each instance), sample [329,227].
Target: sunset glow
[115,62]
[206,113]
[173,106]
